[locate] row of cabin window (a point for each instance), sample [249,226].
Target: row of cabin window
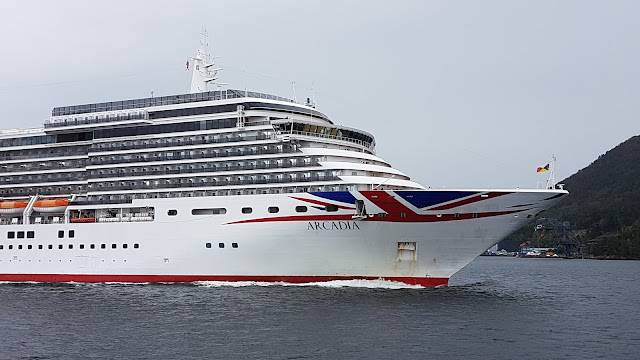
[45,165]
[20,234]
[78,175]
[48,152]
[49,190]
[247,210]
[31,234]
[221,245]
[81,246]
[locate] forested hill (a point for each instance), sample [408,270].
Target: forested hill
[604,196]
[603,206]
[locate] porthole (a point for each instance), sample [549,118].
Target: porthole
[19,247]
[135,246]
[50,246]
[247,210]
[81,246]
[124,246]
[103,246]
[301,209]
[113,246]
[60,247]
[1,247]
[234,245]
[273,209]
[20,234]
[11,235]
[30,234]
[70,246]
[29,246]
[39,247]
[172,212]
[92,246]
[10,247]
[221,245]
[208,245]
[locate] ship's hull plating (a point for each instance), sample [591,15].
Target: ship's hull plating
[415,237]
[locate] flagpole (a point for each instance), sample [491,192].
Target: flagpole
[551,181]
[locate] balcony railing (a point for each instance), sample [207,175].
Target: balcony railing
[199,184]
[117,146]
[212,155]
[365,144]
[284,165]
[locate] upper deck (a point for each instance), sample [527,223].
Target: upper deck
[139,109]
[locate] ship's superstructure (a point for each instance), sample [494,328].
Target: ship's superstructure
[227,185]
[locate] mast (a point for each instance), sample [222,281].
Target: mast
[203,72]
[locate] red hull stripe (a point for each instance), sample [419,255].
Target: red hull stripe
[317,202]
[297,218]
[391,217]
[427,282]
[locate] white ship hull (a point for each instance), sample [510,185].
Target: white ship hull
[402,236]
[230,185]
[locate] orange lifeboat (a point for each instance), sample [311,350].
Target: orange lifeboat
[50,205]
[82,219]
[12,207]
[90,219]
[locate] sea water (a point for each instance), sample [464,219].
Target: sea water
[495,308]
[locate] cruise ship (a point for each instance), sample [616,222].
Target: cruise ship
[230,185]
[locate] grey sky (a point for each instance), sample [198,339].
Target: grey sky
[457,93]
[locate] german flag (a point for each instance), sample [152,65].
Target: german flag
[543,169]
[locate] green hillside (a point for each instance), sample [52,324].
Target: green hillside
[603,205]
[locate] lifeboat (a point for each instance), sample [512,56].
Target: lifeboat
[50,206]
[90,219]
[12,207]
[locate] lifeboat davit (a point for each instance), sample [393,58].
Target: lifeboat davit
[50,206]
[12,207]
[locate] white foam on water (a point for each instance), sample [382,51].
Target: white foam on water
[354,283]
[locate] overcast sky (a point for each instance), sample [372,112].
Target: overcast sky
[457,93]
